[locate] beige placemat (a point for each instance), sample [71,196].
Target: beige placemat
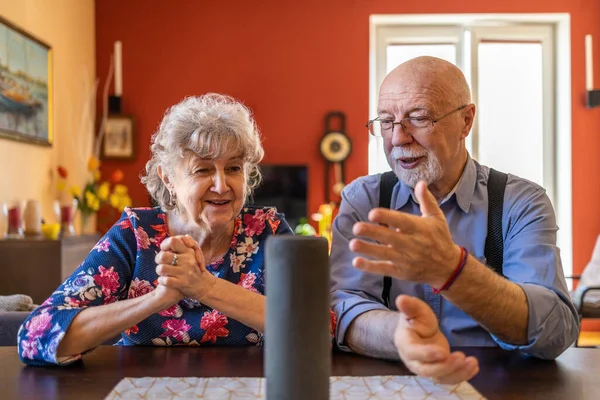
[341,387]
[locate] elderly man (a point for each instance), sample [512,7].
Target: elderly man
[427,232]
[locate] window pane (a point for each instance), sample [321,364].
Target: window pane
[510,108]
[399,53]
[377,161]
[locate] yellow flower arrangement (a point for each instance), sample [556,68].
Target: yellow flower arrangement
[96,193]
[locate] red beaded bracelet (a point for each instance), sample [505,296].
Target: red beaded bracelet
[464,255]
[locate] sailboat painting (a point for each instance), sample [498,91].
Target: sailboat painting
[25,86]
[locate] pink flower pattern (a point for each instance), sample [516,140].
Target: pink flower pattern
[29,348]
[247,281]
[108,280]
[37,325]
[142,239]
[173,311]
[175,328]
[102,245]
[255,223]
[139,288]
[213,323]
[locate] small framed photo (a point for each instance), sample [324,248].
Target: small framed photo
[118,139]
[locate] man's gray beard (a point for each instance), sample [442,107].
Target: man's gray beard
[430,171]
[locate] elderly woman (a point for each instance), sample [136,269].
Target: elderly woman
[188,272]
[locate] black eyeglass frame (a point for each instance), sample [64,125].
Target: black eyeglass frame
[433,121]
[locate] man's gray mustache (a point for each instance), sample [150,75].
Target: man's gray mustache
[397,152]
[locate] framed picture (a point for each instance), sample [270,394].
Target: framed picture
[118,139]
[25,86]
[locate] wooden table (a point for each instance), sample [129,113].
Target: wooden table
[574,375]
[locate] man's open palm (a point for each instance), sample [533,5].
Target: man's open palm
[423,347]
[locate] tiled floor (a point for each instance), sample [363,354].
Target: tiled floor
[589,339]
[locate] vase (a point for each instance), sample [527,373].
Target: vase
[88,223]
[32,216]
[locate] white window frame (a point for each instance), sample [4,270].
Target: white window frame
[524,33]
[388,29]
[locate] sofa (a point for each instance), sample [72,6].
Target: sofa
[10,321]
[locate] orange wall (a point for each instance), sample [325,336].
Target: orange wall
[291,62]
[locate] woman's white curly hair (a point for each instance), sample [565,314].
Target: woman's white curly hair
[210,126]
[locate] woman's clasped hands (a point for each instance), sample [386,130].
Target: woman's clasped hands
[181,270]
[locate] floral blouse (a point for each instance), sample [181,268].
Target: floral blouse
[121,266]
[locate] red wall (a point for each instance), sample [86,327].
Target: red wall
[291,62]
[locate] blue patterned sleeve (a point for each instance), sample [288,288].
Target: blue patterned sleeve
[102,278]
[283,228]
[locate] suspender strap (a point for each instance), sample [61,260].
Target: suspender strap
[494,242]
[387,181]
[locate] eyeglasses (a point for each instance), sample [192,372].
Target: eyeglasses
[422,124]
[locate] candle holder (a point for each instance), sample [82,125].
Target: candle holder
[14,229]
[114,104]
[65,213]
[592,98]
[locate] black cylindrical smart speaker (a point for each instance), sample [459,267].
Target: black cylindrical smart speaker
[297,339]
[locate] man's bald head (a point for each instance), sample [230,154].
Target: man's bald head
[426,88]
[440,78]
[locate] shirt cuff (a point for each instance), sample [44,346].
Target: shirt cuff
[346,311]
[551,324]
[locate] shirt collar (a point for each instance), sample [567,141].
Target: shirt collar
[463,190]
[466,186]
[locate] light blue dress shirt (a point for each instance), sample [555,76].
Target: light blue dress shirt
[531,260]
